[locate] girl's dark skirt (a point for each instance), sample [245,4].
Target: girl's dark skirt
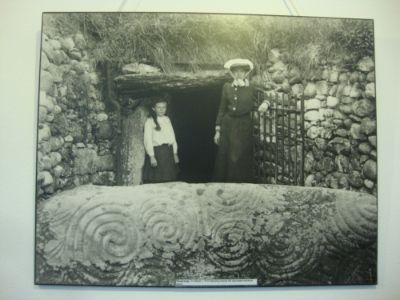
[234,162]
[166,169]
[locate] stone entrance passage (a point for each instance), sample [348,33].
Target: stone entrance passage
[193,115]
[195,98]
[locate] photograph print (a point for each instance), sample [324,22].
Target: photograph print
[205,150]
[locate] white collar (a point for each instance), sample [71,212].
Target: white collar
[240,82]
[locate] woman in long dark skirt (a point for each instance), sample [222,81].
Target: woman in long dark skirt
[160,144]
[234,127]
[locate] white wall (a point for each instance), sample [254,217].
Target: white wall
[19,57]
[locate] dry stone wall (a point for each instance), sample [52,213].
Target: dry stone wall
[340,120]
[74,129]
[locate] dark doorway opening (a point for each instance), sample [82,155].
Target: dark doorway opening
[193,115]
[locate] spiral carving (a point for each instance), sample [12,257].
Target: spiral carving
[353,225]
[171,223]
[100,234]
[230,248]
[150,235]
[283,258]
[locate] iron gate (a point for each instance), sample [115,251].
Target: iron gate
[279,139]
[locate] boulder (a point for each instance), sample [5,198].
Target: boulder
[295,76]
[46,102]
[371,76]
[341,132]
[327,112]
[297,90]
[372,140]
[312,104]
[55,44]
[343,181]
[346,108]
[347,123]
[340,145]
[104,131]
[68,139]
[363,158]
[355,179]
[138,68]
[59,57]
[346,100]
[274,55]
[278,77]
[313,132]
[342,163]
[42,114]
[322,87]
[79,41]
[312,116]
[332,101]
[338,122]
[364,148]
[368,126]
[370,90]
[373,154]
[56,72]
[333,90]
[363,107]
[356,133]
[369,184]
[325,74]
[333,76]
[339,90]
[355,91]
[46,82]
[355,118]
[45,178]
[310,91]
[366,64]
[58,171]
[149,227]
[81,67]
[44,163]
[332,182]
[325,165]
[67,44]
[101,117]
[326,132]
[44,63]
[56,142]
[75,54]
[44,133]
[338,115]
[85,161]
[355,77]
[278,66]
[285,87]
[55,158]
[45,147]
[369,169]
[343,77]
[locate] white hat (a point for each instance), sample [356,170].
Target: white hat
[238,62]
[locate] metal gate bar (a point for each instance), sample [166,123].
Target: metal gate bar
[279,146]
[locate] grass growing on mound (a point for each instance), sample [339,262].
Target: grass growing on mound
[164,39]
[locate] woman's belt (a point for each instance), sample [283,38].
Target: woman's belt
[239,114]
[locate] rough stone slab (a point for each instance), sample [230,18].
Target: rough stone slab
[155,234]
[138,84]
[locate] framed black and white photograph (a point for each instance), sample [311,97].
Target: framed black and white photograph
[206,150]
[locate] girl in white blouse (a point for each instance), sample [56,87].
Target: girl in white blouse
[160,145]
